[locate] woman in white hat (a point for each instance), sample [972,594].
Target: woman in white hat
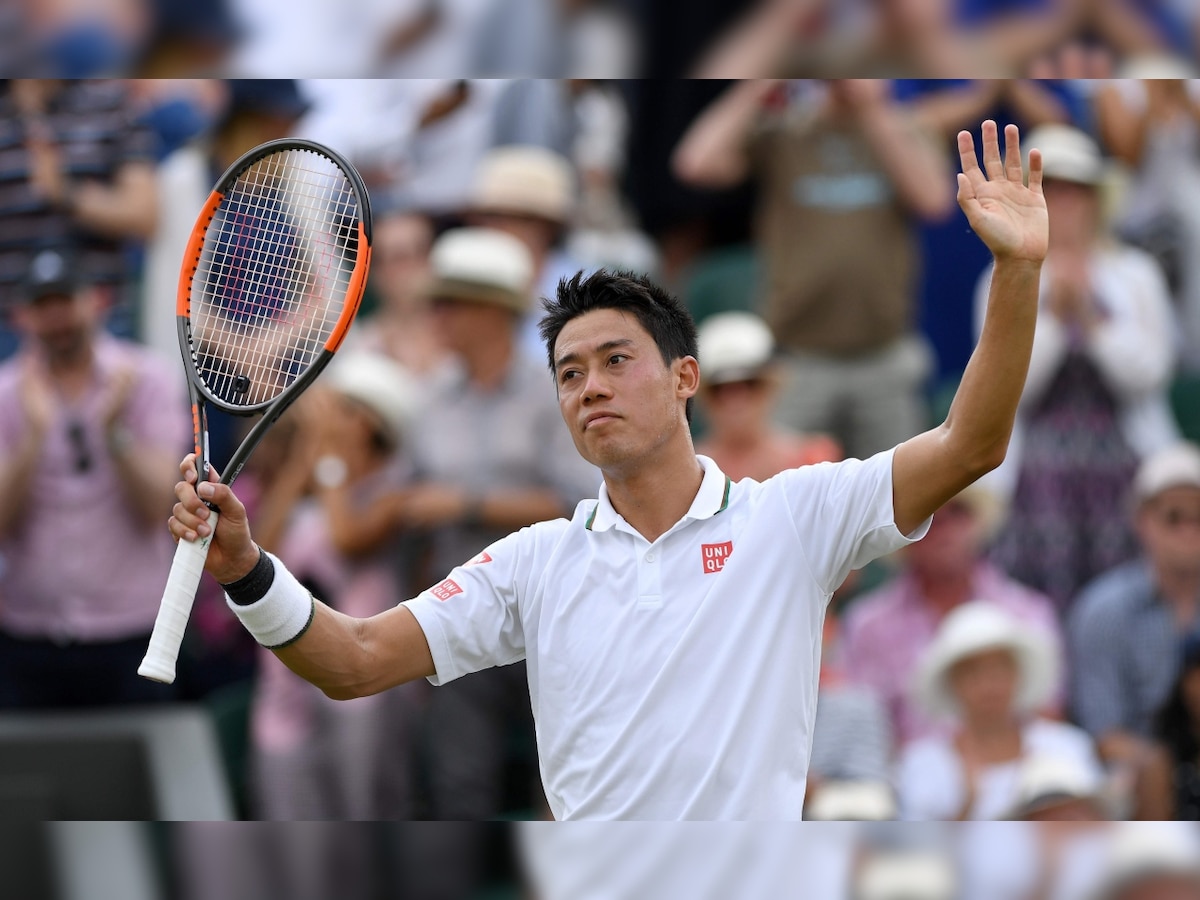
[986,673]
[738,388]
[312,757]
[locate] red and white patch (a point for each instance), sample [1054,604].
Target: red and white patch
[446,589]
[714,555]
[478,560]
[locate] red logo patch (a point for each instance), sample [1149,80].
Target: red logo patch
[478,560]
[445,590]
[714,555]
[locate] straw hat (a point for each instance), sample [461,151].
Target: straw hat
[1048,781]
[845,800]
[1174,466]
[525,180]
[1147,849]
[1068,154]
[734,346]
[977,627]
[380,384]
[918,875]
[481,265]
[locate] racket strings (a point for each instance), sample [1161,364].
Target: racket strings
[273,275]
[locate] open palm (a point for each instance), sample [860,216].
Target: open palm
[1009,217]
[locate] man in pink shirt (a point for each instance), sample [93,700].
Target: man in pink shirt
[886,631]
[89,430]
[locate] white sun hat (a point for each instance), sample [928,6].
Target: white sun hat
[911,875]
[1175,466]
[734,346]
[977,627]
[845,800]
[525,180]
[379,383]
[481,265]
[1068,154]
[1141,850]
[1046,781]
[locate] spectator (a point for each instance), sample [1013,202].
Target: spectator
[1150,121]
[1152,861]
[84,418]
[837,215]
[1060,789]
[888,630]
[1170,786]
[990,675]
[1095,398]
[528,192]
[78,171]
[317,758]
[1127,625]
[491,455]
[402,325]
[739,386]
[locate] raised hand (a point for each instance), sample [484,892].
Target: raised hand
[1009,217]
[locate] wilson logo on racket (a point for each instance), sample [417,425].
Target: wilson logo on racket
[713,556]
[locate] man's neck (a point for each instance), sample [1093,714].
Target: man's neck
[653,497]
[943,592]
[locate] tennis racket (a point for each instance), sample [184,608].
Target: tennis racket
[271,279]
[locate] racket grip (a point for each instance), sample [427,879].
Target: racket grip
[176,607]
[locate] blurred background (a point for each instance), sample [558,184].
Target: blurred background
[1036,657]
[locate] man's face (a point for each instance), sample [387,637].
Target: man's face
[400,255]
[464,324]
[618,398]
[1074,213]
[1169,527]
[737,406]
[951,545]
[61,324]
[985,684]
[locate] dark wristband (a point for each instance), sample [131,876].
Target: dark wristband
[253,586]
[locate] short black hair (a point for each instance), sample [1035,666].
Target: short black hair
[661,314]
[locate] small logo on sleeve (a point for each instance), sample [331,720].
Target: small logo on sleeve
[446,589]
[714,556]
[478,560]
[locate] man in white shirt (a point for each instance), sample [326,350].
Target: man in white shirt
[672,628]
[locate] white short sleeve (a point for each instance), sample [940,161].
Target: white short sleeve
[472,618]
[844,515]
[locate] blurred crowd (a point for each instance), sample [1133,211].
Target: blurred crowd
[601,861]
[576,38]
[1036,656]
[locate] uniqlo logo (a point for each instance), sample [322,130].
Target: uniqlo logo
[714,556]
[446,589]
[478,560]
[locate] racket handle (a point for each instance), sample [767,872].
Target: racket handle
[176,607]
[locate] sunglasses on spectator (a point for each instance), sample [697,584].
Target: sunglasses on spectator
[722,387]
[1173,517]
[78,439]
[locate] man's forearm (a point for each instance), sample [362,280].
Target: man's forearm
[16,479]
[147,479]
[920,175]
[713,150]
[981,417]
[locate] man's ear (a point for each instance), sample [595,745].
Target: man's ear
[687,377]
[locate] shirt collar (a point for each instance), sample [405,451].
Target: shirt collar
[712,498]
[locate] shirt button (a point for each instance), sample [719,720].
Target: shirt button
[650,556]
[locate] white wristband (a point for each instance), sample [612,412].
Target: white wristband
[282,614]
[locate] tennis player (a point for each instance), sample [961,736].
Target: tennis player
[671,628]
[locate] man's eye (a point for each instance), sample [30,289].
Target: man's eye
[569,374]
[617,357]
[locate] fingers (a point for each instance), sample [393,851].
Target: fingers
[1013,168]
[991,151]
[1035,171]
[966,155]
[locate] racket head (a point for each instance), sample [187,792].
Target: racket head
[272,276]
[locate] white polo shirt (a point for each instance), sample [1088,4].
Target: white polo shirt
[674,679]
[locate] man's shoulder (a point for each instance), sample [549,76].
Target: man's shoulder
[1117,592]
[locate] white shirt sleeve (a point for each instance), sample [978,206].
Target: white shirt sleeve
[472,619]
[844,515]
